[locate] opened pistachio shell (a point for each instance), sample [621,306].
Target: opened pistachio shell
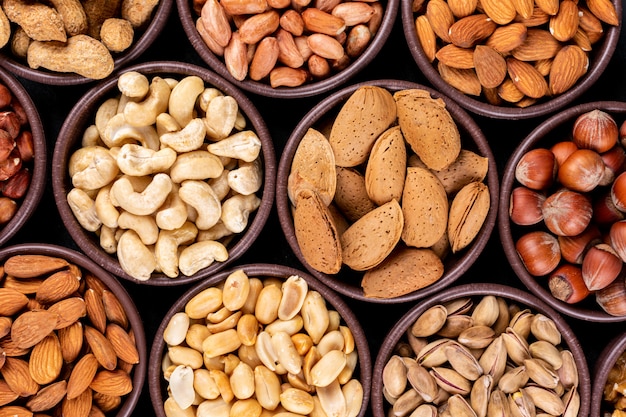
[368,241]
[313,166]
[430,321]
[351,194]
[394,376]
[467,167]
[386,167]
[428,127]
[425,208]
[368,112]
[316,233]
[468,212]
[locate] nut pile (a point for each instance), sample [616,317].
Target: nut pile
[387,190]
[16,154]
[67,347]
[71,35]
[570,203]
[286,43]
[615,388]
[259,344]
[481,357]
[167,175]
[512,52]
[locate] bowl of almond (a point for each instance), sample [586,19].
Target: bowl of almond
[387,191]
[260,339]
[72,336]
[514,59]
[287,49]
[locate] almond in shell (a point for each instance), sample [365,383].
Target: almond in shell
[468,167]
[468,212]
[386,167]
[351,196]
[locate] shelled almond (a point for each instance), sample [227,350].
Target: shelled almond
[486,49]
[62,351]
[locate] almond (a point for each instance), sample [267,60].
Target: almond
[426,37]
[537,18]
[500,11]
[94,307]
[31,266]
[464,80]
[5,326]
[509,92]
[82,374]
[264,59]
[106,403]
[550,7]
[318,21]
[16,375]
[71,340]
[386,167]
[456,57]
[526,78]
[114,310]
[11,301]
[79,406]
[506,38]
[122,343]
[68,311]
[10,349]
[468,212]
[470,30]
[7,395]
[23,285]
[590,23]
[440,18]
[539,44]
[114,383]
[568,66]
[462,8]
[31,327]
[46,360]
[524,7]
[15,411]
[351,195]
[490,66]
[57,287]
[604,10]
[564,24]
[47,397]
[101,348]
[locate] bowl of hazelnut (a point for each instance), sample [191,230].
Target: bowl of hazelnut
[561,213]
[168,187]
[609,378]
[513,60]
[22,156]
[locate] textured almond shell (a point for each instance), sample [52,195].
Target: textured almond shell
[368,241]
[351,194]
[425,208]
[468,212]
[468,167]
[386,167]
[428,127]
[369,111]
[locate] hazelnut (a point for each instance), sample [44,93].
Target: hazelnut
[537,169]
[617,236]
[525,206]
[612,298]
[614,160]
[573,248]
[566,212]
[562,150]
[595,130]
[618,192]
[539,252]
[604,211]
[601,265]
[8,207]
[566,284]
[582,171]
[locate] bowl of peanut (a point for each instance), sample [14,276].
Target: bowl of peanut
[609,377]
[73,338]
[514,59]
[287,49]
[170,186]
[481,349]
[22,156]
[71,42]
[256,339]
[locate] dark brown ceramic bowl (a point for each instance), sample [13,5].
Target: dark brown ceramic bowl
[475,291]
[82,115]
[28,203]
[129,402]
[552,130]
[604,364]
[144,37]
[598,60]
[188,18]
[348,282]
[158,385]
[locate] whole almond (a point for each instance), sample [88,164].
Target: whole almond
[11,301]
[113,308]
[539,44]
[7,395]
[31,327]
[526,78]
[490,66]
[264,59]
[500,11]
[462,8]
[79,406]
[23,285]
[68,311]
[47,397]
[524,7]
[114,383]
[456,57]
[101,348]
[319,21]
[564,24]
[107,403]
[122,343]
[17,376]
[470,30]
[5,326]
[509,92]
[57,287]
[550,7]
[31,266]
[468,212]
[440,18]
[426,37]
[537,18]
[94,307]
[590,23]
[15,411]
[604,10]
[464,80]
[506,38]
[82,374]
[568,66]
[71,340]
[46,360]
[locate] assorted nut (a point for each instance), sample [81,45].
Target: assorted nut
[16,154]
[287,44]
[481,356]
[568,199]
[260,344]
[67,346]
[614,394]
[387,189]
[512,53]
[167,175]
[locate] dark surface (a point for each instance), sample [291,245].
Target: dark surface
[282,115]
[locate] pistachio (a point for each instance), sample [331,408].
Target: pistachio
[422,382]
[450,380]
[547,352]
[504,316]
[513,380]
[493,360]
[544,328]
[546,399]
[477,336]
[486,311]
[520,322]
[459,407]
[542,373]
[433,353]
[463,361]
[516,346]
[407,402]
[394,376]
[498,405]
[455,324]
[425,410]
[459,306]
[430,321]
[479,395]
[521,404]
[571,399]
[568,372]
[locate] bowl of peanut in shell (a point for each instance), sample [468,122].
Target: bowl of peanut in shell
[376,214]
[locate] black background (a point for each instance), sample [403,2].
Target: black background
[281,116]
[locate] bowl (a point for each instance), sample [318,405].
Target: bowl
[35,164]
[247,214]
[599,57]
[143,36]
[558,128]
[348,281]
[54,265]
[397,343]
[607,366]
[204,294]
[214,57]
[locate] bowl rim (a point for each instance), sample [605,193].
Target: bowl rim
[160,17]
[605,52]
[305,90]
[607,358]
[95,96]
[480,289]
[33,196]
[140,369]
[262,270]
[504,225]
[466,124]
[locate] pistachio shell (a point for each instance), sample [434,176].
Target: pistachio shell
[430,321]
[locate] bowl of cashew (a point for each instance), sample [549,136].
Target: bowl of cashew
[164,173]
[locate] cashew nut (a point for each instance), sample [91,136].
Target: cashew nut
[138,160]
[133,84]
[244,145]
[135,258]
[220,185]
[92,167]
[183,99]
[108,242]
[214,233]
[206,96]
[118,132]
[144,113]
[104,113]
[145,202]
[189,138]
[91,137]
[165,123]
[145,226]
[200,255]
[166,248]
[236,211]
[173,213]
[105,209]
[202,198]
[196,165]
[220,117]
[247,179]
[83,207]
